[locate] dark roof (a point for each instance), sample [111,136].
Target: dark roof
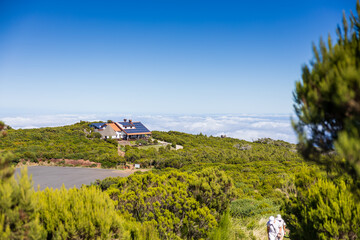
[139,128]
[127,124]
[97,125]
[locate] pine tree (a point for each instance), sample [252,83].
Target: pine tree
[327,100]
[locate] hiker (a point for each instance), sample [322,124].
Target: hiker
[281,224]
[273,229]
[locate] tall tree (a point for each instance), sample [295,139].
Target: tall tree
[327,100]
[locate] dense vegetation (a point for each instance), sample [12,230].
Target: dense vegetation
[179,204]
[213,188]
[190,202]
[323,208]
[210,185]
[256,168]
[262,174]
[269,176]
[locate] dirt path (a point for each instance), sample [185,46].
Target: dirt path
[60,162]
[166,143]
[121,153]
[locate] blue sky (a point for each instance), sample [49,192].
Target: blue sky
[157,57]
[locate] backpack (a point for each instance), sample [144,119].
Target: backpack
[273,228]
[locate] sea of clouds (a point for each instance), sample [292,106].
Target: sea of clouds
[247,127]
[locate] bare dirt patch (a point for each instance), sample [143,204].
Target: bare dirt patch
[57,162]
[121,153]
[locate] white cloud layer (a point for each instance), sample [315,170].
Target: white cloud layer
[248,127]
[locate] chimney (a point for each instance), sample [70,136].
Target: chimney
[125,119]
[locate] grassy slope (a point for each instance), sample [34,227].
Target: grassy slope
[67,142]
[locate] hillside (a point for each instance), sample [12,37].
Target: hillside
[260,173]
[257,168]
[263,165]
[213,188]
[66,142]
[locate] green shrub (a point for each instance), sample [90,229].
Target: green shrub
[18,216]
[224,230]
[95,135]
[112,141]
[142,142]
[85,213]
[245,208]
[175,202]
[251,225]
[213,188]
[30,156]
[322,209]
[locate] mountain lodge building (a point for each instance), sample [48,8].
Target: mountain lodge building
[125,130]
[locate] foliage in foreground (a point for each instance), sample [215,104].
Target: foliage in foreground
[172,204]
[322,209]
[179,204]
[224,230]
[18,211]
[86,213]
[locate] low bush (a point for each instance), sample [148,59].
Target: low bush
[85,213]
[245,208]
[179,204]
[18,216]
[322,208]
